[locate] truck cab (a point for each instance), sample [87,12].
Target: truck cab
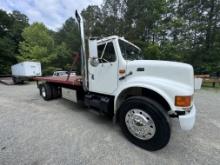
[116,68]
[116,65]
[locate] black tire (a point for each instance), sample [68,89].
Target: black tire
[56,92]
[46,92]
[14,80]
[157,113]
[21,82]
[17,80]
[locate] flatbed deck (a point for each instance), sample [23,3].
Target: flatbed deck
[73,80]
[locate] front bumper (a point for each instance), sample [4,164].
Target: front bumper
[187,121]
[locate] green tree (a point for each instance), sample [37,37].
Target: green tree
[63,58]
[69,34]
[93,18]
[11,26]
[200,32]
[142,19]
[67,41]
[37,45]
[7,46]
[20,21]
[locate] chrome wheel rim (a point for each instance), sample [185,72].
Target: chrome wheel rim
[140,124]
[43,92]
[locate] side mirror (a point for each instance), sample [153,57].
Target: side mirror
[93,52]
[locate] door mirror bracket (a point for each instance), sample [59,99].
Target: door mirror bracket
[94,62]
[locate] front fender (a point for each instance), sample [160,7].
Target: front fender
[166,88]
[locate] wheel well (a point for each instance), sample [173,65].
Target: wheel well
[139,91]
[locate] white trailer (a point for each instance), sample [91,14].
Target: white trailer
[25,70]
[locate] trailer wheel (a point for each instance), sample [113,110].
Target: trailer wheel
[45,91]
[14,80]
[21,81]
[145,123]
[17,80]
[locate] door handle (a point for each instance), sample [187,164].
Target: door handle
[92,76]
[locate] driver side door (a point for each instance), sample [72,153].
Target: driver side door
[103,78]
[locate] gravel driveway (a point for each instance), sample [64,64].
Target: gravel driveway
[35,132]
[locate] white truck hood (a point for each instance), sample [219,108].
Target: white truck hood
[174,71]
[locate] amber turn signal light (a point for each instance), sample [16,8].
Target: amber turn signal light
[183,101]
[121,71]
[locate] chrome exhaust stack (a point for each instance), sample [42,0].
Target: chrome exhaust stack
[84,66]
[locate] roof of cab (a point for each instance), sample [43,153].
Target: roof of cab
[109,38]
[104,39]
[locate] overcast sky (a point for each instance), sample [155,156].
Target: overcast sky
[52,13]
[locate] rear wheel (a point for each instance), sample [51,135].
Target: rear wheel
[145,123]
[56,91]
[45,91]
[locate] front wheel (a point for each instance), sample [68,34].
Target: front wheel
[145,123]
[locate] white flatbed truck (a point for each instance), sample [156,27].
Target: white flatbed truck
[140,95]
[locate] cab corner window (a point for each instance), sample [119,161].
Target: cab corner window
[106,53]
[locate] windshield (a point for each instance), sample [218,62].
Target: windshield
[129,52]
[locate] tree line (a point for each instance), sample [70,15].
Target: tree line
[175,30]
[20,41]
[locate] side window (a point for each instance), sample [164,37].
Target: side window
[106,53]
